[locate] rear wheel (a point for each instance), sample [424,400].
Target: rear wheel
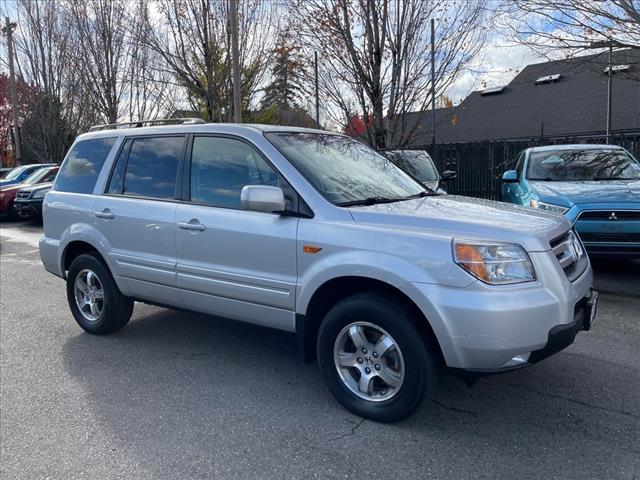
[94,298]
[373,358]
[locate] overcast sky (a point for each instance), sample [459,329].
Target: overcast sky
[497,64]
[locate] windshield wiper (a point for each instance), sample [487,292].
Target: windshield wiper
[368,201]
[424,193]
[378,200]
[608,178]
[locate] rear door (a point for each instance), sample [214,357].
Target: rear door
[136,215]
[233,262]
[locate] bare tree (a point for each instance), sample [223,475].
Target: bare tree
[193,38]
[375,56]
[150,90]
[44,46]
[100,28]
[571,25]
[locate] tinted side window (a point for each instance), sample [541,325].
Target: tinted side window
[49,177]
[220,167]
[83,164]
[152,167]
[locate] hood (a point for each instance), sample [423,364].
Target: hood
[601,191]
[4,183]
[37,187]
[13,187]
[470,218]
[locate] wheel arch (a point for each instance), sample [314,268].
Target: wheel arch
[75,248]
[339,288]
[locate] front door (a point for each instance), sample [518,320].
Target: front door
[232,262]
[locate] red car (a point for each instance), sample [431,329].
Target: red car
[8,193]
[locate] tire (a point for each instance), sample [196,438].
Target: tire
[112,312]
[410,360]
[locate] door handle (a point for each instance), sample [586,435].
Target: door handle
[106,213]
[193,225]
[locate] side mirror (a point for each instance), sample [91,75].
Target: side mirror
[262,198]
[510,176]
[449,175]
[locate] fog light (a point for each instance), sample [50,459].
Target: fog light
[517,360]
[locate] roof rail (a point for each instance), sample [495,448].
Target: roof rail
[141,123]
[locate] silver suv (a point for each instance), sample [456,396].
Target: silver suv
[382,281]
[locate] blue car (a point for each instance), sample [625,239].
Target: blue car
[19,174]
[597,187]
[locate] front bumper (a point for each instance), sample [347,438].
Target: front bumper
[487,328]
[28,208]
[561,336]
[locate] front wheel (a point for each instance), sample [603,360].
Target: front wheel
[373,358]
[94,298]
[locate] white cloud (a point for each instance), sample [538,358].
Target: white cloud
[498,62]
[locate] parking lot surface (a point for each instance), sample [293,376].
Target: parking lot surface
[177,395]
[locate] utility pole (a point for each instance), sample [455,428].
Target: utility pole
[433,91]
[315,57]
[610,44]
[8,31]
[609,92]
[237,107]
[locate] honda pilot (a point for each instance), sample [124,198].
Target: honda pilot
[383,281]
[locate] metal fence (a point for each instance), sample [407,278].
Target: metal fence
[480,165]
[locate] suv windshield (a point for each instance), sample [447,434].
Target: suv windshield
[344,170]
[15,173]
[38,175]
[415,162]
[575,165]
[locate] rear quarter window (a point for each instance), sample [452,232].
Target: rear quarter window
[82,166]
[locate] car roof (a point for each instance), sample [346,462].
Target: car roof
[584,146]
[229,128]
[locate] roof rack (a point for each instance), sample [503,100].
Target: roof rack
[141,123]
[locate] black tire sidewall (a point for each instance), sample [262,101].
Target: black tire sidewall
[394,318]
[114,312]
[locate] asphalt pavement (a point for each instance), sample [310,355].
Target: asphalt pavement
[176,395]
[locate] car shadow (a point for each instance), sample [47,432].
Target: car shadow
[175,385]
[617,276]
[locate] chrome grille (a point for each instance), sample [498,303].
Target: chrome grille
[570,254]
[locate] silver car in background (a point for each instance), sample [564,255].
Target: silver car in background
[382,281]
[420,165]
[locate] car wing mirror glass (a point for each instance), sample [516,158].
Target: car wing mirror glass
[510,176]
[449,175]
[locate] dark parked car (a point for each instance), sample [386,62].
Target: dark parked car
[419,164]
[28,202]
[8,193]
[20,174]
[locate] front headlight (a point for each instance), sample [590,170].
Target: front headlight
[39,194]
[494,263]
[549,207]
